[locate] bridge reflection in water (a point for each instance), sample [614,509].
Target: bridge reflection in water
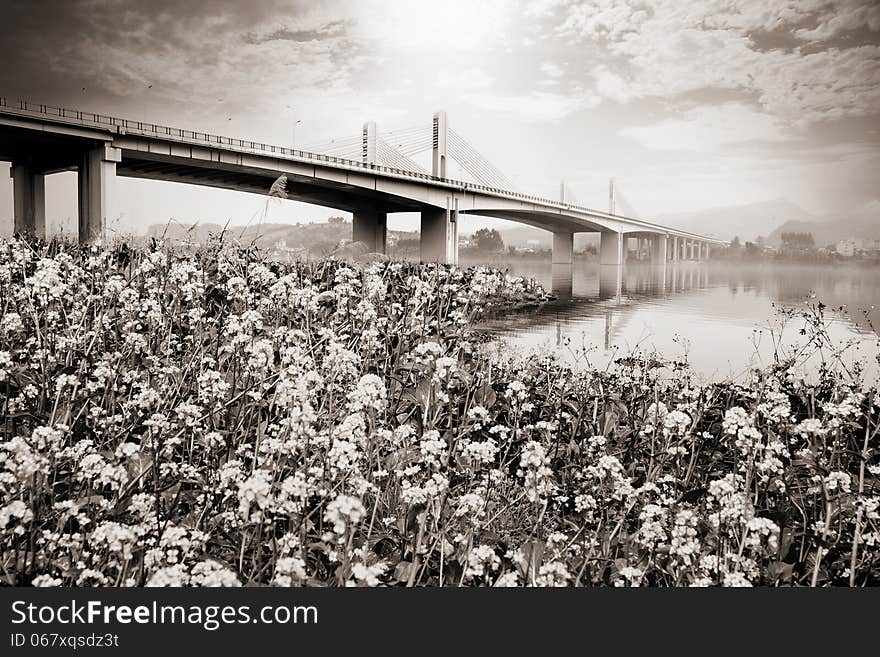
[609,293]
[722,318]
[615,282]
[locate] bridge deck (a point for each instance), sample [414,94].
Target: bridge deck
[112,127]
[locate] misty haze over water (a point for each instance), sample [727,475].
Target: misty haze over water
[723,318]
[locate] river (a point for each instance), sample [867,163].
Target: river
[723,318]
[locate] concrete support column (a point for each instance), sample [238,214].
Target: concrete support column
[438,151]
[439,234]
[97,175]
[610,282]
[370,226]
[658,250]
[611,249]
[675,251]
[563,248]
[561,280]
[29,201]
[708,253]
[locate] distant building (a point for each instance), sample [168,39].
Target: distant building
[846,248]
[871,247]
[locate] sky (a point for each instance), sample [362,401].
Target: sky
[687,105]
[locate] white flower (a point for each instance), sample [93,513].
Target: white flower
[838,481]
[210,573]
[255,491]
[343,512]
[15,509]
[289,571]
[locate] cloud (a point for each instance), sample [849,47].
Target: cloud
[674,48]
[469,80]
[331,29]
[551,72]
[705,129]
[536,106]
[849,16]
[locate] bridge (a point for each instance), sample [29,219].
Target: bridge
[40,140]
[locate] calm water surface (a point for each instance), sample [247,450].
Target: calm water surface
[723,318]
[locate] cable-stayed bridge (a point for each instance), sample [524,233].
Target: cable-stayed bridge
[399,148]
[370,175]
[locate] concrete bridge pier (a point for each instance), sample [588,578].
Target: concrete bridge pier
[370,226]
[658,249]
[96,178]
[610,282]
[563,248]
[675,251]
[611,249]
[439,234]
[29,201]
[562,278]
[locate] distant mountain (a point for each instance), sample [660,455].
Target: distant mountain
[746,221]
[862,224]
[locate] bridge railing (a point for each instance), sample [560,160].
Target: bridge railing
[92,119]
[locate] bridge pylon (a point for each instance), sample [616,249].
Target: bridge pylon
[368,143]
[438,145]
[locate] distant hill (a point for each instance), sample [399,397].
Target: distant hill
[746,221]
[863,223]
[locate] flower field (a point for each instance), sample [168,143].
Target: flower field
[210,418]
